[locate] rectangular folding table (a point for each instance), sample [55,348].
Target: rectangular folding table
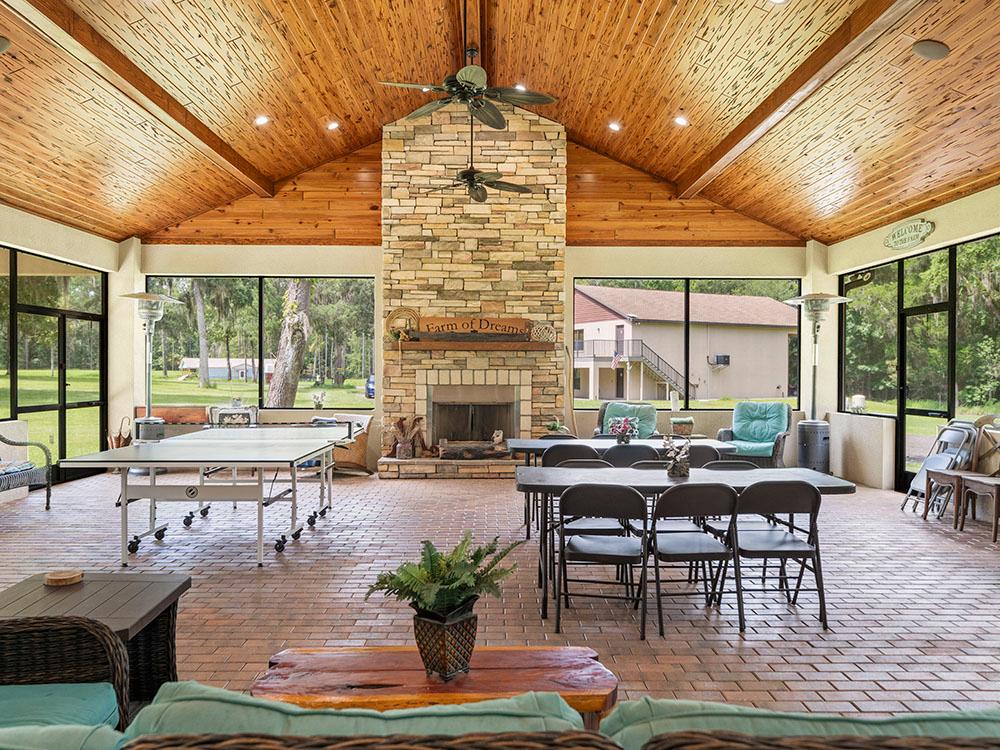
[211,452]
[553,480]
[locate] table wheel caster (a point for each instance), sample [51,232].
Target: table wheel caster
[133,545]
[279,545]
[158,535]
[188,519]
[297,534]
[203,512]
[311,520]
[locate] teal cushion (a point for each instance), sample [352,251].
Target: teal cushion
[746,448]
[89,704]
[644,413]
[190,708]
[67,737]
[633,723]
[760,421]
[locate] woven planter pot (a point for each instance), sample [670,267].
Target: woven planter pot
[446,643]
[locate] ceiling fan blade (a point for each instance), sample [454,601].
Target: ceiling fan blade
[516,96]
[487,113]
[510,187]
[433,106]
[422,86]
[472,76]
[487,176]
[440,188]
[477,193]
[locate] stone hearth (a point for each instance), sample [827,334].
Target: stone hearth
[446,255]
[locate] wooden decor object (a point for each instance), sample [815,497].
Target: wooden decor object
[63,577]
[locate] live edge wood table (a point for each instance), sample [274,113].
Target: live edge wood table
[387,677]
[140,608]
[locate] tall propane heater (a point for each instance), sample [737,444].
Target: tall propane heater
[150,309]
[814,434]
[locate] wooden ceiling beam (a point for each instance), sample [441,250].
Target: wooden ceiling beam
[473,14]
[862,27]
[63,27]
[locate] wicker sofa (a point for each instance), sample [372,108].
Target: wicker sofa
[33,477]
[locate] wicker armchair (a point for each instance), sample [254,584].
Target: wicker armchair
[733,741]
[503,741]
[43,650]
[29,477]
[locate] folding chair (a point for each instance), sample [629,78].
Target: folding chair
[624,456]
[699,455]
[730,464]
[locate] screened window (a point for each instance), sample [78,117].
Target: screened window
[712,342]
[317,346]
[870,340]
[977,306]
[48,283]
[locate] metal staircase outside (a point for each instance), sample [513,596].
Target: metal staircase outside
[633,350]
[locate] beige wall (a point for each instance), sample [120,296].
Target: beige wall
[24,231]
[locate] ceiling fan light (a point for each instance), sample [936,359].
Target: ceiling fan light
[520,87]
[4,44]
[931,49]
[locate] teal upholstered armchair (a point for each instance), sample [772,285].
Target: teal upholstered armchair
[759,431]
[643,413]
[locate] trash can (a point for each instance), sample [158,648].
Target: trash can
[814,445]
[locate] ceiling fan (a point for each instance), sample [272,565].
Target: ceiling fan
[469,87]
[477,181]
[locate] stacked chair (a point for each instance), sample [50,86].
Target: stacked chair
[953,449]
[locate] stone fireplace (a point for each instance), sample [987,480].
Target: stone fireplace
[446,255]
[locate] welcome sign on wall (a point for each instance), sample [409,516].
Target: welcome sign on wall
[908,235]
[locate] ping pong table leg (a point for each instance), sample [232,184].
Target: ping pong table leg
[260,518]
[124,520]
[295,498]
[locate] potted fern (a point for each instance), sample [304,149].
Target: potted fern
[443,588]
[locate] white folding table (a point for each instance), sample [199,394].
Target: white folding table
[211,451]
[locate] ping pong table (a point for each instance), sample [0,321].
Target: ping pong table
[305,452]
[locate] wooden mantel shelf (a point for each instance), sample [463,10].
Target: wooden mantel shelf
[475,346]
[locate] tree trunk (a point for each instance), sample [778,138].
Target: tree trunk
[229,359]
[163,350]
[292,341]
[199,312]
[338,364]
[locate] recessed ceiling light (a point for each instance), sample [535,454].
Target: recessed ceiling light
[931,49]
[4,44]
[521,87]
[682,121]
[261,120]
[332,125]
[779,2]
[615,126]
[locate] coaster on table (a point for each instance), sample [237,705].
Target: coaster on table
[63,577]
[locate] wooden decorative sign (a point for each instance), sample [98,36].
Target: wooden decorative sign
[908,235]
[475,328]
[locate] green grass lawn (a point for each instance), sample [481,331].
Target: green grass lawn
[39,387]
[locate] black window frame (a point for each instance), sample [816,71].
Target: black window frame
[260,325]
[685,401]
[950,306]
[60,314]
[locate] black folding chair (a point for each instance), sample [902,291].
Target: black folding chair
[624,456]
[699,455]
[730,464]
[585,463]
[692,548]
[599,501]
[563,449]
[651,465]
[787,541]
[602,526]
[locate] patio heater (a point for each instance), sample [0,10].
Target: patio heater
[149,429]
[814,434]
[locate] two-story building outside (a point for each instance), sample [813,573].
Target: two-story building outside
[629,344]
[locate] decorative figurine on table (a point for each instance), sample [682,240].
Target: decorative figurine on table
[497,438]
[677,456]
[624,429]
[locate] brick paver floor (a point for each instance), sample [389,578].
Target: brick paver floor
[914,622]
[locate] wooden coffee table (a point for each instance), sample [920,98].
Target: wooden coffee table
[140,608]
[386,677]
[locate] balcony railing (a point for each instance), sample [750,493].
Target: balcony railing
[634,350]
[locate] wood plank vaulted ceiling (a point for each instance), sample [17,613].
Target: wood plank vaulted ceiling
[884,135]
